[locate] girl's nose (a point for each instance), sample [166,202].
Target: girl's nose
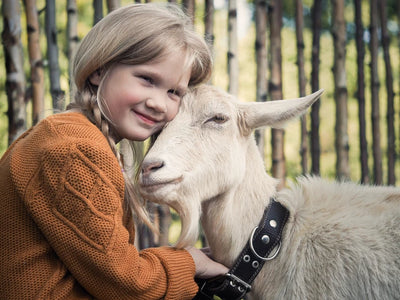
[157,102]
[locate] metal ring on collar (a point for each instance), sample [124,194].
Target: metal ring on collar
[259,256]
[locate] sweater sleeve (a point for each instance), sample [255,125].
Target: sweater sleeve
[76,199]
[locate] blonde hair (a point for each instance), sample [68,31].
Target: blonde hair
[134,34]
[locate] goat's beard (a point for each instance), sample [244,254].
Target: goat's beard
[189,212]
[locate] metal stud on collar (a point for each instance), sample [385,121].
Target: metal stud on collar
[265,239]
[259,256]
[273,223]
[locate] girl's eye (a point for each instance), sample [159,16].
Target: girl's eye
[147,79]
[174,92]
[219,119]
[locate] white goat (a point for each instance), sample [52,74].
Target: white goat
[342,240]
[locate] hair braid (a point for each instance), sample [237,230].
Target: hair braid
[87,102]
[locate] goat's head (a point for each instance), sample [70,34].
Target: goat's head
[200,155]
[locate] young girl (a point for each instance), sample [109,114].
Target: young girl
[66,202]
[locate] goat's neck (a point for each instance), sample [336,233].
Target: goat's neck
[229,219]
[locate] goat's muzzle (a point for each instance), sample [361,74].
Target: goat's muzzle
[150,166]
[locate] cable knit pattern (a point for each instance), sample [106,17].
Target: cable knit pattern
[62,229]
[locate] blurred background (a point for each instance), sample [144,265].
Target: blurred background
[263,50]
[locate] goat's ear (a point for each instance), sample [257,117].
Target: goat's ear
[275,113]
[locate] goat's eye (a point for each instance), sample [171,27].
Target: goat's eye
[219,119]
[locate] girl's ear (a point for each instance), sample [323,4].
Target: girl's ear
[95,78]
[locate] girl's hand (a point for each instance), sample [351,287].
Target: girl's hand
[206,267]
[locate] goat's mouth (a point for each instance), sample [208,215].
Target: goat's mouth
[149,185]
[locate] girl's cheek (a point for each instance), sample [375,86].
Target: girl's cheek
[174,112]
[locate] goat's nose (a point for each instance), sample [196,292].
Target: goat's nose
[151,166]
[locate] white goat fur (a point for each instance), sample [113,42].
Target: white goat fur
[342,240]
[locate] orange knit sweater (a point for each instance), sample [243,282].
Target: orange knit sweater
[61,221]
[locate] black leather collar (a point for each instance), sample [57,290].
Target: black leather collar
[264,239]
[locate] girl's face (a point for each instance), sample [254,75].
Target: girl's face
[141,99]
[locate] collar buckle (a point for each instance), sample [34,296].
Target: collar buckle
[209,287]
[241,285]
